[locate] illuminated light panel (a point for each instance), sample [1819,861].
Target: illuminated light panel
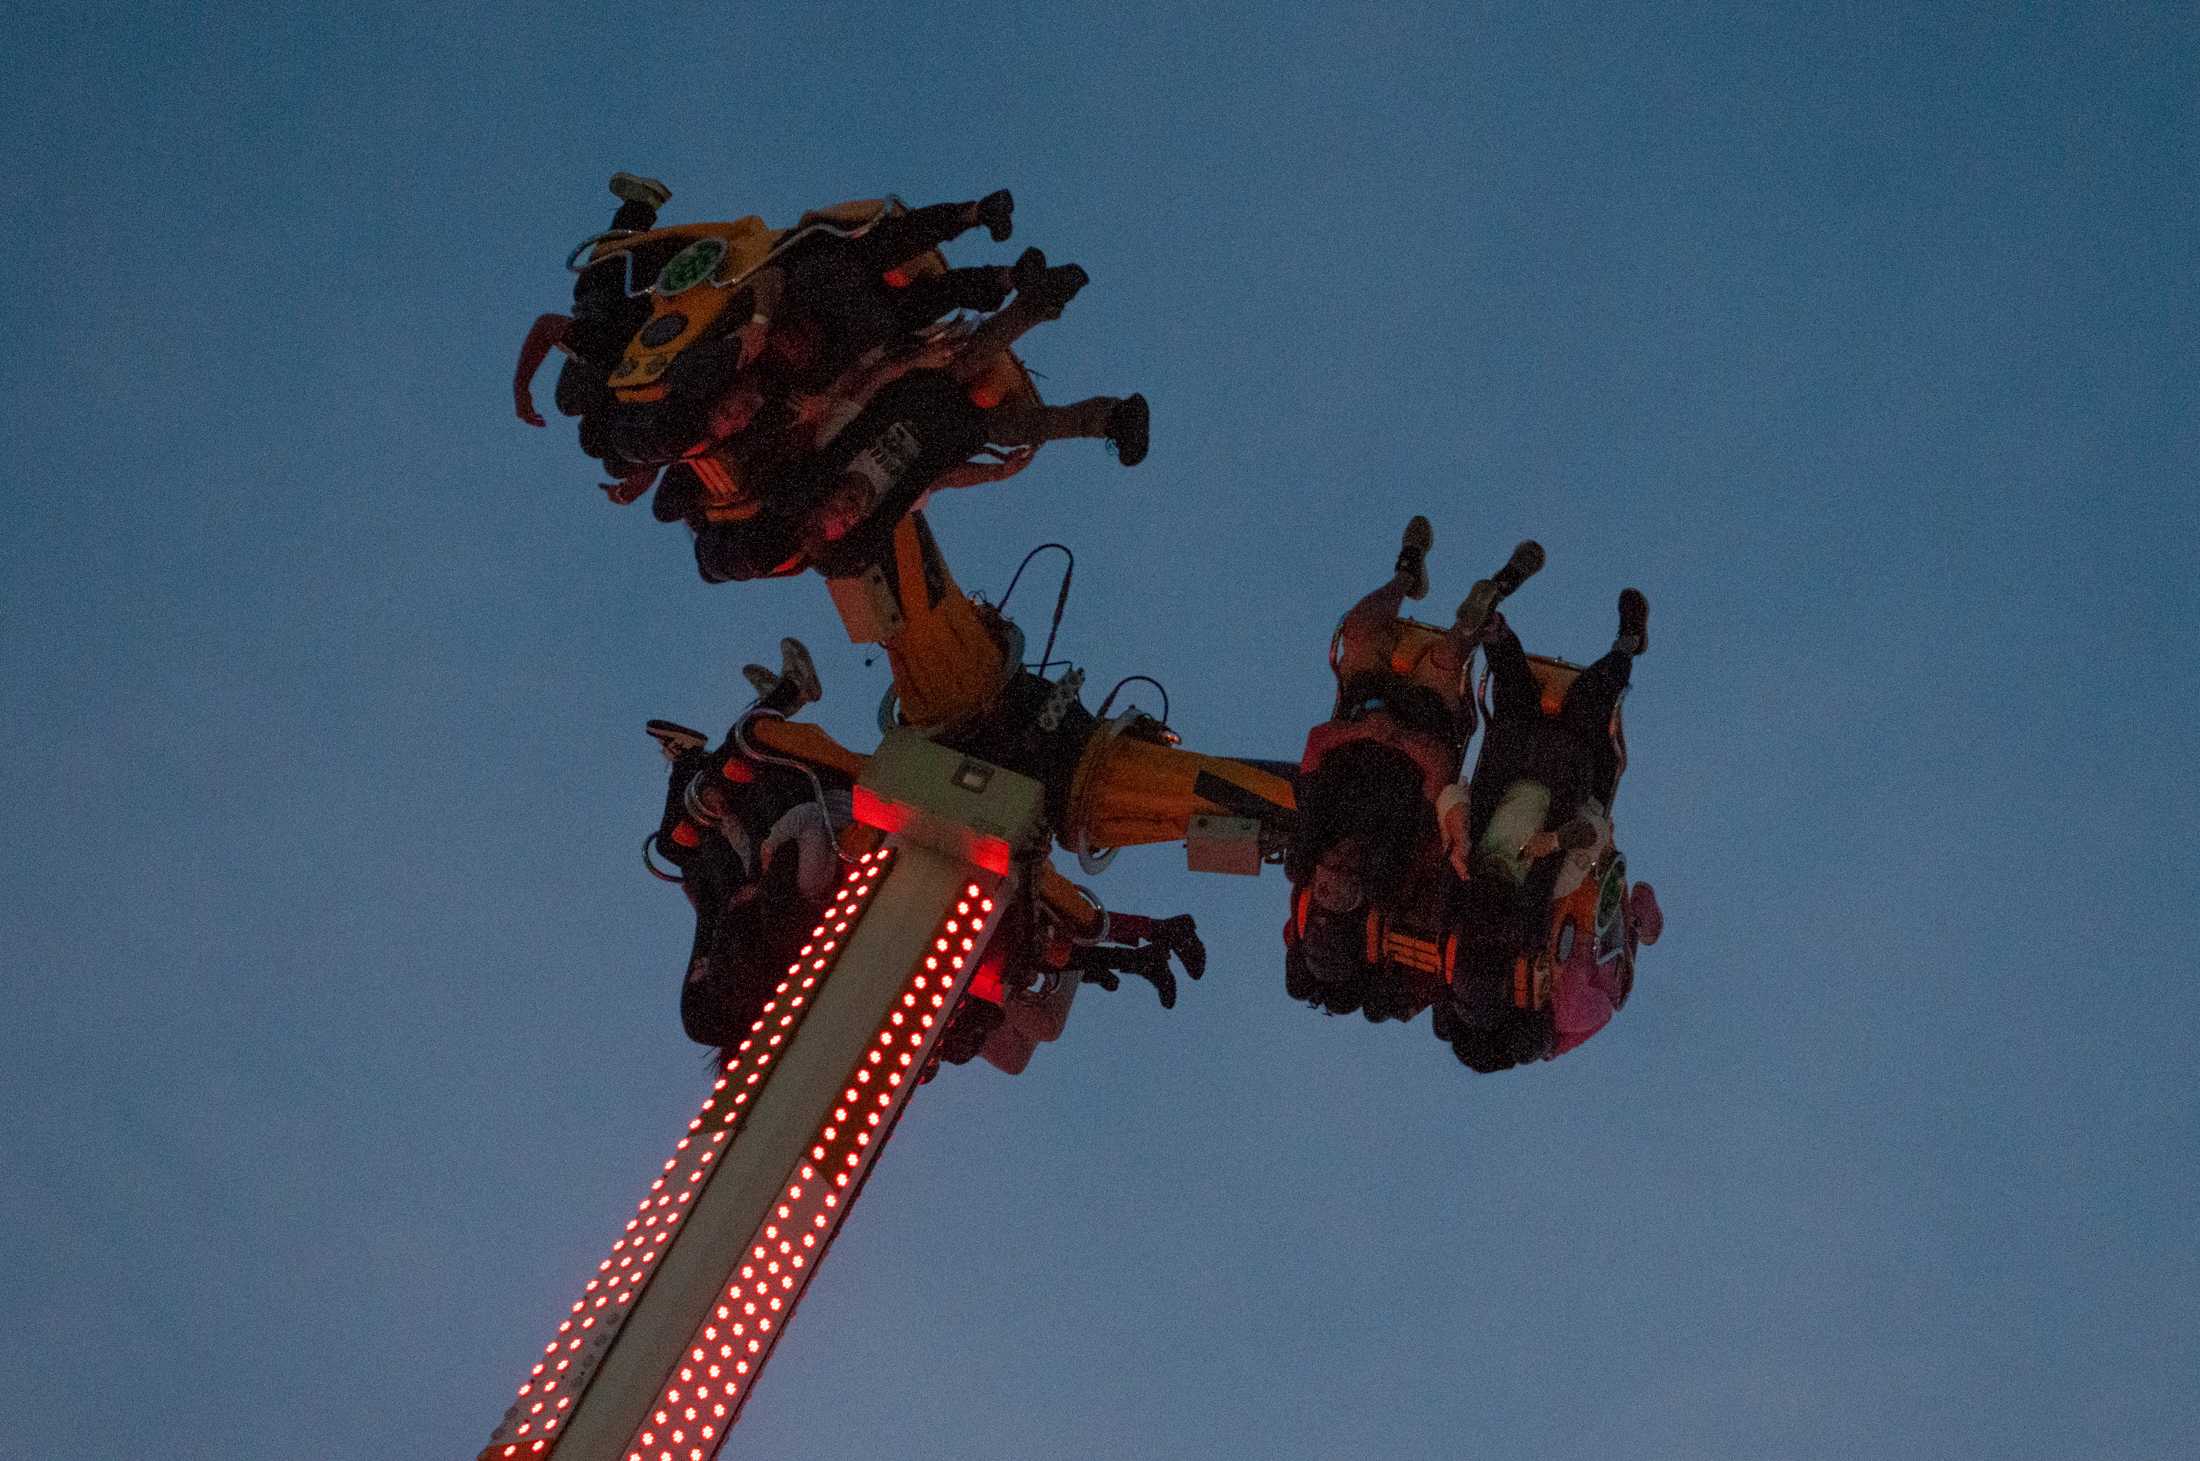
[570,1359]
[689,1419]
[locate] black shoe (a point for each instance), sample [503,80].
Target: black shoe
[1055,288]
[1481,602]
[1128,424]
[1526,562]
[997,212]
[1025,273]
[1413,556]
[1634,622]
[674,739]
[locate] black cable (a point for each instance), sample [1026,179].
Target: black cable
[649,844]
[1061,599]
[1127,679]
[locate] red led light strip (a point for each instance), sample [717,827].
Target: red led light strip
[570,1360]
[704,1395]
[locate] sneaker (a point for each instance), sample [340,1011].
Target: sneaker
[1054,288]
[1480,604]
[761,680]
[629,188]
[1029,266]
[997,212]
[675,739]
[1413,556]
[1526,562]
[1634,622]
[1128,425]
[797,668]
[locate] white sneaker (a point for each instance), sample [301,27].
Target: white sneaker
[630,188]
[796,665]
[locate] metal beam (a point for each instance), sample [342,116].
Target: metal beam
[665,1344]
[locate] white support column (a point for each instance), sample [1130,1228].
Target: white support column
[656,1358]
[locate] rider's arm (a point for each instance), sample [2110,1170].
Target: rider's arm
[1453,804]
[546,334]
[766,288]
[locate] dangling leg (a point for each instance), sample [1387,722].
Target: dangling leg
[892,240]
[1514,692]
[794,685]
[639,199]
[1594,695]
[1122,421]
[1590,700]
[1375,613]
[1368,633]
[1041,293]
[934,296]
[1482,600]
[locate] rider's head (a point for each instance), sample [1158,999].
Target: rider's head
[1362,813]
[1336,884]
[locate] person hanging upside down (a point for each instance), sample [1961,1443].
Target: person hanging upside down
[1379,780]
[1539,826]
[892,430]
[837,298]
[1543,766]
[836,282]
[754,840]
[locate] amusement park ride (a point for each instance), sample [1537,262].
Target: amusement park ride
[947,932]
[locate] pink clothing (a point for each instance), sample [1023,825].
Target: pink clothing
[1437,761]
[1586,989]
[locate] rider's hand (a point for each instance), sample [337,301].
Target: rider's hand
[1453,825]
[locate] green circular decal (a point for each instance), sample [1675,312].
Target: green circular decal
[1608,898]
[691,266]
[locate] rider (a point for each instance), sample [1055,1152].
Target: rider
[1543,785]
[844,296]
[1379,780]
[1540,771]
[1492,1017]
[826,471]
[836,298]
[754,840]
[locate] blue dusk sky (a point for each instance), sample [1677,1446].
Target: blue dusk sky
[341,1022]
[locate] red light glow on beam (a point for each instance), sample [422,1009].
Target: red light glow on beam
[569,1361]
